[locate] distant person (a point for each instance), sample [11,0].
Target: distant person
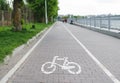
[71,22]
[65,20]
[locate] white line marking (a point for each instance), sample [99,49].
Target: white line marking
[13,70]
[112,77]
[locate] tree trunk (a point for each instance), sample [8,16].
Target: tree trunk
[17,15]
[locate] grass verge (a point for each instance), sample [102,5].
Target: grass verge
[10,40]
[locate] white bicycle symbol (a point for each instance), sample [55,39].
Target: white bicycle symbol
[71,67]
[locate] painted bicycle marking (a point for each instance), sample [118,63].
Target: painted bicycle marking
[71,67]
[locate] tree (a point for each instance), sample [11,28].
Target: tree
[52,9]
[17,5]
[38,7]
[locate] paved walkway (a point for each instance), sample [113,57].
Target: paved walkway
[85,47]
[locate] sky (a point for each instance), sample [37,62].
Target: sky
[89,7]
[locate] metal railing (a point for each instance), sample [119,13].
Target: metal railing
[103,21]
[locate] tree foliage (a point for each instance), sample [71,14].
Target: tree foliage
[52,8]
[4,5]
[38,7]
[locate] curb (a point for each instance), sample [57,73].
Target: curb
[7,58]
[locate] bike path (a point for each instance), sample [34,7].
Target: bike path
[105,48]
[59,42]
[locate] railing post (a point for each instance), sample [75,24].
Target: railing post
[109,22]
[90,21]
[94,21]
[85,21]
[100,22]
[82,21]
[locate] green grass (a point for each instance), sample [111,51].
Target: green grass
[9,40]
